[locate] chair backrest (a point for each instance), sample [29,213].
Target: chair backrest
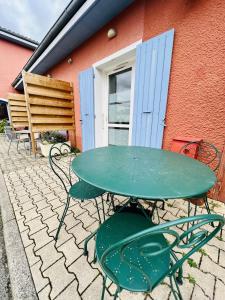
[60,157]
[206,153]
[148,249]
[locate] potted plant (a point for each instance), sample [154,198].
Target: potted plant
[49,138]
[3,123]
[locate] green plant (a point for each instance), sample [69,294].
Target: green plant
[191,279]
[52,137]
[192,263]
[2,125]
[203,252]
[219,238]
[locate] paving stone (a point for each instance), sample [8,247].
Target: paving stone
[63,236]
[56,203]
[70,293]
[124,295]
[42,204]
[38,197]
[25,238]
[59,277]
[21,225]
[23,199]
[212,252]
[219,290]
[86,219]
[52,223]
[77,210]
[32,259]
[33,192]
[198,294]
[44,293]
[222,259]
[214,269]
[27,206]
[201,278]
[38,278]
[21,193]
[30,215]
[41,238]
[45,191]
[70,251]
[83,271]
[70,221]
[79,233]
[95,289]
[50,196]
[220,244]
[46,213]
[35,225]
[161,292]
[49,255]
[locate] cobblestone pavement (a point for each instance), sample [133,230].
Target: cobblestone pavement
[59,269]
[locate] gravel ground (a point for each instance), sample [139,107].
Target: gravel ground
[5,292]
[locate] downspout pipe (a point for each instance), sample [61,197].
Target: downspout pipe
[64,18]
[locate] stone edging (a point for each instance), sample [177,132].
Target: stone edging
[21,281]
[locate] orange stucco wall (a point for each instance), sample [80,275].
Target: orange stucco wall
[12,59]
[196,102]
[129,26]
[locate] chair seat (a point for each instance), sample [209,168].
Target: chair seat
[131,270]
[82,190]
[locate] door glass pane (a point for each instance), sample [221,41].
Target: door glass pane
[118,136]
[119,97]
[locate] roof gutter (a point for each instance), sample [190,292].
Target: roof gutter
[17,39]
[64,18]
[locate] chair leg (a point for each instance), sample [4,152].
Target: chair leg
[96,203]
[116,293]
[24,145]
[9,145]
[85,253]
[207,207]
[103,208]
[17,146]
[113,204]
[63,217]
[103,288]
[175,288]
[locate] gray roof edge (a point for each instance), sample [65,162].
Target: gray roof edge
[18,38]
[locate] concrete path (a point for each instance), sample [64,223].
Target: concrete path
[59,270]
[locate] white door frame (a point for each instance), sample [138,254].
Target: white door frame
[120,60]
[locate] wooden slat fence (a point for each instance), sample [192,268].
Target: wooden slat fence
[18,110]
[49,103]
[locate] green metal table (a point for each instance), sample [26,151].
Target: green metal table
[142,172]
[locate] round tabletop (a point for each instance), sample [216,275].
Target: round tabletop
[143,172]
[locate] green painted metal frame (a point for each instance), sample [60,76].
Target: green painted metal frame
[194,238]
[56,153]
[209,155]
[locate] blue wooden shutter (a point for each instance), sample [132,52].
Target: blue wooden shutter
[153,60]
[86,79]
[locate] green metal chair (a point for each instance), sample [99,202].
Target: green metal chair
[209,155]
[79,190]
[140,255]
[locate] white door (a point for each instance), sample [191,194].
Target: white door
[118,106]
